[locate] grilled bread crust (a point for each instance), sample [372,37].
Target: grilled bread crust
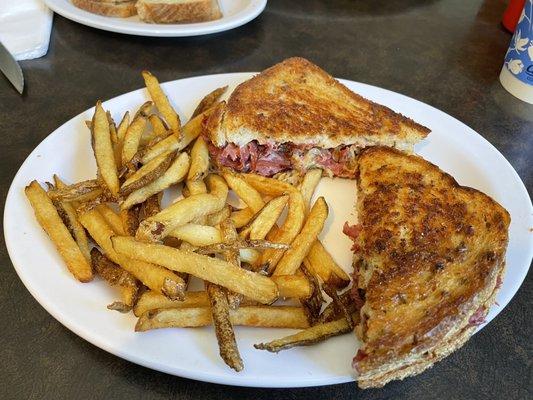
[429,258]
[296,101]
[170,11]
[109,8]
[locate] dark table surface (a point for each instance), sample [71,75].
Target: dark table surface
[446,53]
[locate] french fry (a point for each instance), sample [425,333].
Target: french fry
[73,192]
[196,187]
[73,225]
[151,300]
[147,173]
[174,174]
[191,130]
[103,150]
[322,264]
[199,160]
[116,276]
[51,222]
[241,244]
[197,235]
[130,220]
[209,101]
[132,139]
[246,192]
[268,186]
[184,211]
[159,127]
[242,217]
[250,256]
[153,276]
[192,317]
[309,336]
[300,246]
[112,128]
[150,207]
[293,286]
[111,218]
[161,102]
[220,314]
[265,219]
[312,304]
[287,232]
[289,286]
[308,186]
[219,216]
[344,310]
[121,133]
[252,285]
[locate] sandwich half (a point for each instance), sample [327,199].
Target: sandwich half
[429,259]
[108,8]
[178,11]
[296,116]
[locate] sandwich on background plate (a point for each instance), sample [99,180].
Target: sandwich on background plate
[429,259]
[108,8]
[296,116]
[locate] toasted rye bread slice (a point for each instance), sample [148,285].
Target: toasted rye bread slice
[429,257]
[109,8]
[296,101]
[171,11]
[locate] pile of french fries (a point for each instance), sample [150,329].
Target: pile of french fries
[256,271]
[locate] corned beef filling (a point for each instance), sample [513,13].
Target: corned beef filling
[271,158]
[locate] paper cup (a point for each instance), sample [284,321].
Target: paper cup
[517,72]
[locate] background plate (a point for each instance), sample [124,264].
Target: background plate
[452,145]
[235,13]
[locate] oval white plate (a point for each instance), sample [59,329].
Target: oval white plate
[194,353]
[235,13]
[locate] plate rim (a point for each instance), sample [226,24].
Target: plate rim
[204,375]
[111,24]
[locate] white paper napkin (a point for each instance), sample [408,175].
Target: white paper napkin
[25,27]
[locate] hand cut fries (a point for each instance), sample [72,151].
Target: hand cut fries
[116,276]
[254,286]
[242,217]
[77,191]
[220,313]
[161,102]
[72,223]
[287,232]
[111,218]
[147,173]
[103,150]
[51,222]
[191,130]
[193,317]
[197,235]
[199,160]
[209,101]
[308,186]
[174,174]
[293,258]
[268,186]
[243,257]
[312,335]
[132,139]
[246,192]
[153,276]
[183,211]
[265,219]
[322,264]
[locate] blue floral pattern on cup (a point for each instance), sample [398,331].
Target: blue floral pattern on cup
[519,57]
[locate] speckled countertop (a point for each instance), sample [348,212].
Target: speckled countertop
[447,53]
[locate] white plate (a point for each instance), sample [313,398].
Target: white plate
[235,13]
[193,353]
